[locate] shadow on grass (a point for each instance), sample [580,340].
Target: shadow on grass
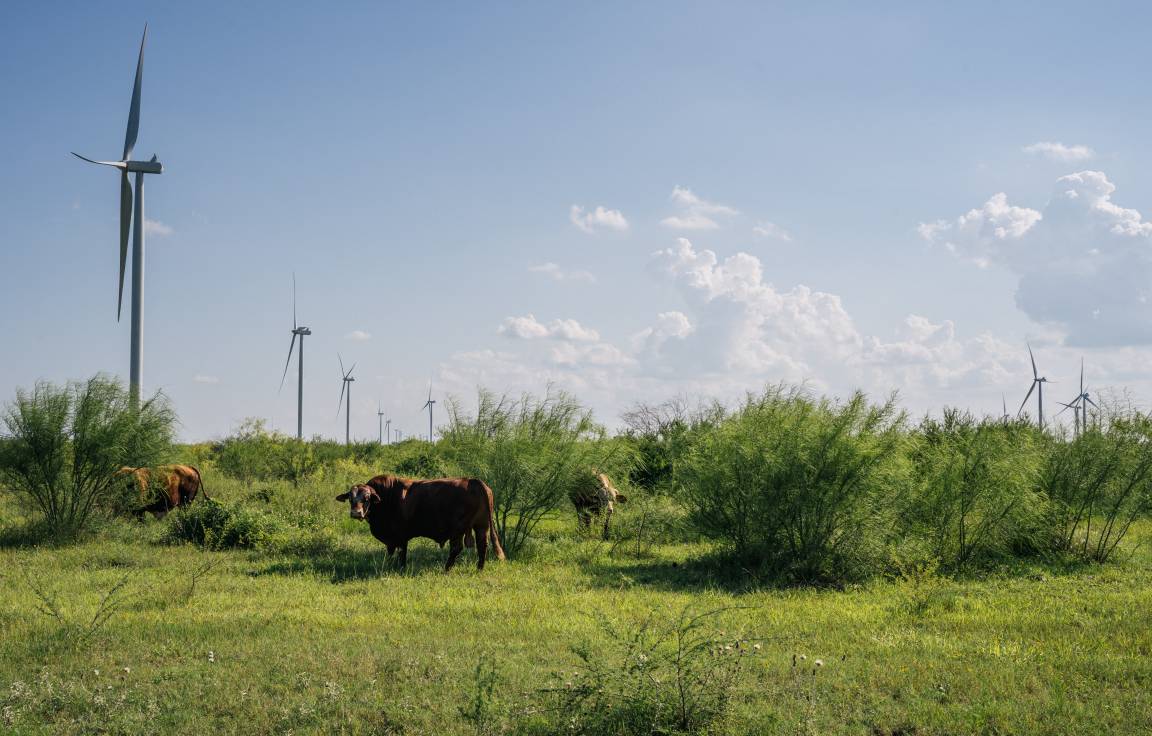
[348,565]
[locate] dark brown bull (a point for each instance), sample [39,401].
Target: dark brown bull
[172,486]
[452,510]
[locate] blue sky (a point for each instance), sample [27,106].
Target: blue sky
[417,167]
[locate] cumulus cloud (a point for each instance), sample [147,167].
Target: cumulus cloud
[1083,263]
[1055,151]
[155,227]
[695,213]
[598,219]
[773,231]
[211,380]
[358,336]
[556,273]
[529,328]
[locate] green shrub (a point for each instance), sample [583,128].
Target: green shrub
[977,489]
[215,524]
[658,677]
[530,451]
[1099,483]
[805,487]
[68,443]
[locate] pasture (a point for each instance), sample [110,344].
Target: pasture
[314,631]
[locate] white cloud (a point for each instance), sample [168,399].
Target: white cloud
[695,213]
[212,380]
[155,227]
[556,273]
[1084,264]
[1055,151]
[773,231]
[598,219]
[358,336]
[529,328]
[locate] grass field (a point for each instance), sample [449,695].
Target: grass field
[319,634]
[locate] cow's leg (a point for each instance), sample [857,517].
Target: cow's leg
[391,549]
[584,518]
[481,545]
[607,519]
[403,557]
[454,548]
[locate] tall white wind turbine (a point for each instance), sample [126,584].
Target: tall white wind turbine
[1038,382]
[346,390]
[301,332]
[428,405]
[132,220]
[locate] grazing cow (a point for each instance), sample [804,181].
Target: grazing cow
[593,497]
[176,486]
[443,510]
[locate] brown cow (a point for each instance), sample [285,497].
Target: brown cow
[176,486]
[443,510]
[594,497]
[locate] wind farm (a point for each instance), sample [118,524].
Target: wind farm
[709,306]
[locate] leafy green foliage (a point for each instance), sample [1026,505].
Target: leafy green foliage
[216,524]
[658,677]
[804,486]
[68,443]
[1099,483]
[977,494]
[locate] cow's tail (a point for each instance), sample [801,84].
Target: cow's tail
[493,537]
[200,482]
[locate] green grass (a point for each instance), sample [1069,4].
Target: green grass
[319,634]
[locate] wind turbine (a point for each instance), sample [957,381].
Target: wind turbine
[380,419]
[1037,381]
[1080,404]
[428,405]
[346,376]
[132,219]
[301,332]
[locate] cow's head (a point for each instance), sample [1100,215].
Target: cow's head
[360,498]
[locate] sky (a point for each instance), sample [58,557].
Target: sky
[625,201]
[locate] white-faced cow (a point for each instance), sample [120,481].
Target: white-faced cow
[452,510]
[594,497]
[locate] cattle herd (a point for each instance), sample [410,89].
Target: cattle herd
[457,511]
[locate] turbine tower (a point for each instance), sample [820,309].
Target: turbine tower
[132,220]
[428,405]
[346,388]
[1037,381]
[301,332]
[380,419]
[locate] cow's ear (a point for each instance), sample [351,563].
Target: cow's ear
[370,491]
[621,497]
[342,497]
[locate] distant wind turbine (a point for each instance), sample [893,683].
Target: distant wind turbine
[301,332]
[380,418]
[1038,382]
[346,391]
[132,219]
[1079,405]
[428,405]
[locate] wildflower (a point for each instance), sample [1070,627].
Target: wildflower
[819,663]
[756,647]
[96,672]
[127,670]
[211,656]
[803,657]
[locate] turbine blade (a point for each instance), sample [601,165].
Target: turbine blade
[1081,375]
[1066,407]
[341,365]
[291,347]
[117,164]
[1033,359]
[293,300]
[134,110]
[352,369]
[1026,397]
[1090,401]
[125,228]
[340,401]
